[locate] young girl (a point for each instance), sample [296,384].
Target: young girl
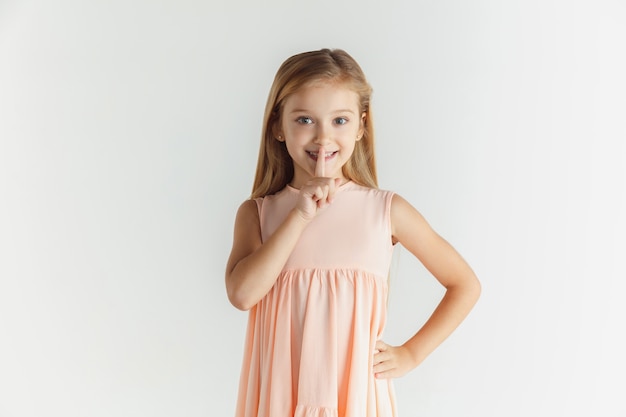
[312,249]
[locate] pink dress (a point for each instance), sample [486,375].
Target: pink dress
[310,341]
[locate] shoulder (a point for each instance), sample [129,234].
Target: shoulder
[400,204]
[402,210]
[250,204]
[247,224]
[254,207]
[248,212]
[406,220]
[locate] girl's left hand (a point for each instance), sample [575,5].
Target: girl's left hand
[391,361]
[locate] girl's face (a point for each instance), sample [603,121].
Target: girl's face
[322,115]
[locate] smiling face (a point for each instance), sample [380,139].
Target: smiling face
[323,115]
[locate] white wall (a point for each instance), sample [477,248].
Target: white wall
[128,136]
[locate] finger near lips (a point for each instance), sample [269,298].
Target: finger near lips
[325,187]
[321,162]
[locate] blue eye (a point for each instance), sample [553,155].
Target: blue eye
[341,120]
[304,120]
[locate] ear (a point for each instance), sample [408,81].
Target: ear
[277,132]
[362,126]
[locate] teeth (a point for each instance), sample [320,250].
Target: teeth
[327,153]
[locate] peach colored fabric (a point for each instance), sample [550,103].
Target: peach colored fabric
[310,341]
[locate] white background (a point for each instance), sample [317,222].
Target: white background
[129,133]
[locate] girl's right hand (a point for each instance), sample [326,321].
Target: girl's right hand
[318,192]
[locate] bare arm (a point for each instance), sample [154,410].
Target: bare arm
[253,266]
[450,269]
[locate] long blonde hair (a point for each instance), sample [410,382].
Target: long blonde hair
[275,167]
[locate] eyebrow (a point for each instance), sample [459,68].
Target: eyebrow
[334,111]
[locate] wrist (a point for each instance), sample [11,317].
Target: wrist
[298,218]
[415,353]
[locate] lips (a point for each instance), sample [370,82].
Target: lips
[314,154]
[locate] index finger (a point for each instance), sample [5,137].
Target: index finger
[321,160]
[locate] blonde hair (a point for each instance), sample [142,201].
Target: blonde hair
[275,167]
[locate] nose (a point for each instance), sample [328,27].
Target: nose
[322,134]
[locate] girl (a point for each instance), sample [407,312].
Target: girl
[312,249]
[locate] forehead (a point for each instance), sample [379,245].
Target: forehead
[323,95]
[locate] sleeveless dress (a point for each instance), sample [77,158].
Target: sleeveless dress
[310,341]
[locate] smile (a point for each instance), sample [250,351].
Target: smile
[328,154]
